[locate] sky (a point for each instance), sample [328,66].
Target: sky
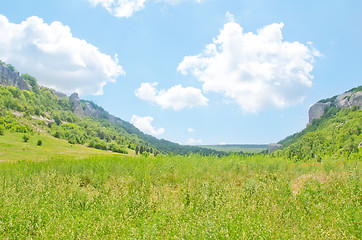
[191,71]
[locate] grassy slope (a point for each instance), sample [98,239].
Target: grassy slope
[12,147]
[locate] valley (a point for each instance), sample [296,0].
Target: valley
[68,169]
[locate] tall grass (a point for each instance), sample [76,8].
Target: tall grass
[192,197]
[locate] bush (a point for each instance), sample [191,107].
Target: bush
[355,108]
[118,149]
[39,143]
[26,138]
[100,146]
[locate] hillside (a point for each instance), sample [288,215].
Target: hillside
[337,131]
[26,107]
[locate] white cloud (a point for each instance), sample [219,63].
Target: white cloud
[175,2]
[120,8]
[230,17]
[144,124]
[192,141]
[126,8]
[56,58]
[177,97]
[254,70]
[190,130]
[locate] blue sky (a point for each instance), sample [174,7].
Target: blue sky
[191,71]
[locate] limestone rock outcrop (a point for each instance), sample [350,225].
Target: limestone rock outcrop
[59,94]
[344,100]
[78,109]
[85,108]
[317,110]
[356,99]
[273,147]
[10,78]
[91,111]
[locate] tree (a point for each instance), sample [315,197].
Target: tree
[57,119]
[137,150]
[142,149]
[39,143]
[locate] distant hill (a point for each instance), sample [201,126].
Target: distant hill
[237,148]
[335,128]
[27,107]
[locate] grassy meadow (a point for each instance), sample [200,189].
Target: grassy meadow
[176,197]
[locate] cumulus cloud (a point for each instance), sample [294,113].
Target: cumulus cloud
[254,70]
[126,8]
[144,124]
[56,58]
[177,97]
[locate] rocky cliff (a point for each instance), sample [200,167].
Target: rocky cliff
[11,78]
[344,100]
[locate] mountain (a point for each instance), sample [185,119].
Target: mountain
[27,107]
[334,129]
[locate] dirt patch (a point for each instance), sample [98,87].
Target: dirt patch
[297,184]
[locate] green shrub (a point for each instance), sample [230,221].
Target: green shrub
[26,138]
[39,143]
[355,108]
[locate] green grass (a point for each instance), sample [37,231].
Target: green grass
[12,148]
[192,197]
